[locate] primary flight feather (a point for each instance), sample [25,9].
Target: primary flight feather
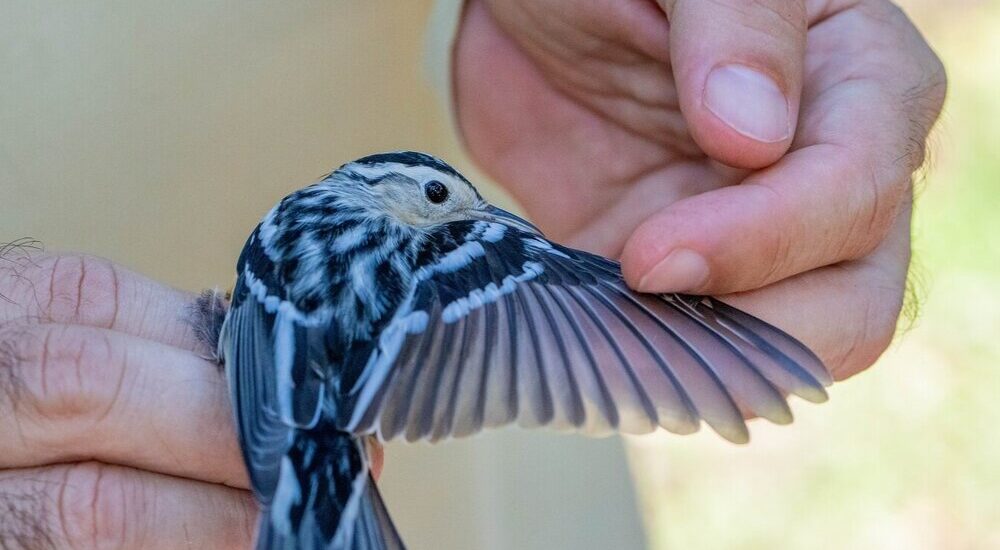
[390,300]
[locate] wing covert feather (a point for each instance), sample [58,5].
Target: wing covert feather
[542,335]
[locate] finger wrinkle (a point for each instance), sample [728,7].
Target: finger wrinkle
[43,365]
[116,393]
[61,504]
[79,289]
[867,231]
[82,290]
[875,334]
[782,251]
[846,363]
[792,12]
[781,243]
[789,12]
[78,375]
[116,293]
[94,506]
[52,283]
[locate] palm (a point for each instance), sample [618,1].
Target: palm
[588,150]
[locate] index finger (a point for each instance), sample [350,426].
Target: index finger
[85,290]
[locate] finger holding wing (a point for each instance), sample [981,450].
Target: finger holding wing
[508,327]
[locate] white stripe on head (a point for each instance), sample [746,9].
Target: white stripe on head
[420,174]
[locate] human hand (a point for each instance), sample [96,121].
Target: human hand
[115,431]
[781,180]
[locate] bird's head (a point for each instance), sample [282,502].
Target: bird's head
[416,189]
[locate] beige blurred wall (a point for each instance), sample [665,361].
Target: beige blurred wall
[157,133]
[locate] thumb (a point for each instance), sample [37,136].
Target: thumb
[738,67]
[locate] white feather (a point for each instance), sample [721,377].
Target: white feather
[286,495]
[422,174]
[490,293]
[274,304]
[284,357]
[494,232]
[453,261]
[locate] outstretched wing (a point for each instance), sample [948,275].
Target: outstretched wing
[509,327]
[270,352]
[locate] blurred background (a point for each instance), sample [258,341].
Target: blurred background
[156,134]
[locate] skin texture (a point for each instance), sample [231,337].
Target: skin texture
[592,114]
[117,430]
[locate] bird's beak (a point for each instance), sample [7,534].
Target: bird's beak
[499,215]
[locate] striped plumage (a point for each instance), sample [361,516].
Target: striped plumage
[390,300]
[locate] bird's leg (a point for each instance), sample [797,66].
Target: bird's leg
[206,315]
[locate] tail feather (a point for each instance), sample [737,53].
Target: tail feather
[374,528]
[326,499]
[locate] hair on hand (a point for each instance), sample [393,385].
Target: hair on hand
[22,519]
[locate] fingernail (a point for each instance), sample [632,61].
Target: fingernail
[682,270]
[749,102]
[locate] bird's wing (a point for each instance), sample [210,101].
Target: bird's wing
[270,353]
[509,327]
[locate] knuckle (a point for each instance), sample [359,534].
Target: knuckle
[913,61]
[874,334]
[80,375]
[776,246]
[96,506]
[876,192]
[779,251]
[81,289]
[71,374]
[878,202]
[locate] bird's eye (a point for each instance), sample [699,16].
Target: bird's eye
[436,192]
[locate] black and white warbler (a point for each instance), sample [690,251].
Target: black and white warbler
[390,300]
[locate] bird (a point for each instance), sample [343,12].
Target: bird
[390,300]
